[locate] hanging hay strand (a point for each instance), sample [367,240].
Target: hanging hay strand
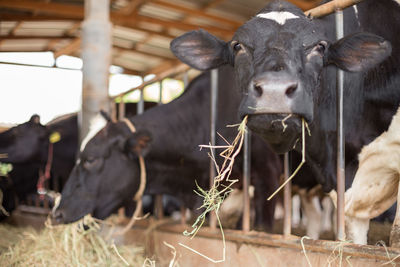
[77,244]
[213,198]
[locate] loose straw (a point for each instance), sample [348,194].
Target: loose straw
[303,159]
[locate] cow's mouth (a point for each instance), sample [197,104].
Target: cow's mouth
[281,131]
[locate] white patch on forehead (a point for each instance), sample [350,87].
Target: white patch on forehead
[96,124]
[356,13]
[397,1]
[278,17]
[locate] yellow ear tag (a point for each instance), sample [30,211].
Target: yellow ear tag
[54,137]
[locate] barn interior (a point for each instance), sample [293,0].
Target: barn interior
[140,32]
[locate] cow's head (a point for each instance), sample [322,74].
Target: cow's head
[278,57]
[25,142]
[106,175]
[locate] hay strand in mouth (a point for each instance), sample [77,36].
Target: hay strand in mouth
[3,155]
[303,158]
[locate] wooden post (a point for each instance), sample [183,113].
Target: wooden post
[96,55]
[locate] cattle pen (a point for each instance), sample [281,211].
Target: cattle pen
[161,238]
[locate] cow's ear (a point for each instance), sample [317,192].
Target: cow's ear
[35,119]
[139,143]
[201,50]
[358,52]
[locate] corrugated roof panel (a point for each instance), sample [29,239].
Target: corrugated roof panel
[23,45]
[123,43]
[150,26]
[153,10]
[159,41]
[126,33]
[156,50]
[40,32]
[47,24]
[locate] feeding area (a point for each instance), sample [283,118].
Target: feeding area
[199,133]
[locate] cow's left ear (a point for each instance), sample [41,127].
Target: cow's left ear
[358,52]
[200,50]
[139,143]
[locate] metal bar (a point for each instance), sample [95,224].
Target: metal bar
[121,109]
[158,206]
[185,79]
[213,122]
[246,180]
[340,136]
[287,198]
[140,104]
[161,93]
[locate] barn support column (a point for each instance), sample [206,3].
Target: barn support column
[340,137]
[213,122]
[158,203]
[96,55]
[246,180]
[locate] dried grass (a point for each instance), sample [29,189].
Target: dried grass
[77,244]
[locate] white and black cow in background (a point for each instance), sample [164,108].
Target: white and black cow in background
[168,136]
[286,63]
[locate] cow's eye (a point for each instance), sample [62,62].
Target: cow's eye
[237,47]
[91,163]
[321,46]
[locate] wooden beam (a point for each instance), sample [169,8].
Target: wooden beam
[305,4]
[136,50]
[234,24]
[69,48]
[16,27]
[212,4]
[132,7]
[32,37]
[73,11]
[330,7]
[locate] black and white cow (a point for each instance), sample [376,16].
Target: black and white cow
[168,136]
[285,64]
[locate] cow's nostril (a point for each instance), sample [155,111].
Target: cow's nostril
[291,89]
[258,89]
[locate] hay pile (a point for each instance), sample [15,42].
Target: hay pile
[65,245]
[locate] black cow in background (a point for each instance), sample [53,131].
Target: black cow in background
[107,174]
[286,63]
[26,147]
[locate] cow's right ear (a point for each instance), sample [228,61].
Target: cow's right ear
[201,50]
[139,143]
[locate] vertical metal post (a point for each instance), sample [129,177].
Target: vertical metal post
[161,93]
[121,109]
[213,121]
[140,104]
[287,198]
[96,55]
[246,180]
[158,203]
[340,137]
[185,79]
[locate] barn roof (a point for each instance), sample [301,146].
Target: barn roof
[142,29]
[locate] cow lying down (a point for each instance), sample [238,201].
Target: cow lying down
[375,186]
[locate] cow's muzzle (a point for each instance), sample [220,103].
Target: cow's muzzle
[277,93]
